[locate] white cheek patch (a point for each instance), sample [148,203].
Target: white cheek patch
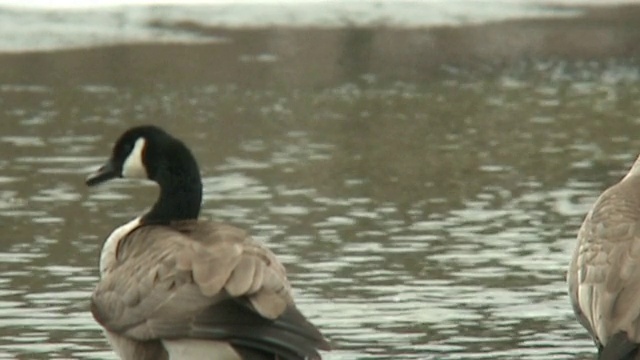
[635,169]
[133,167]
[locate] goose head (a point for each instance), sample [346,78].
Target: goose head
[147,152]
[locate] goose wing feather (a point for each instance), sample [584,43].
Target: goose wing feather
[202,280]
[604,273]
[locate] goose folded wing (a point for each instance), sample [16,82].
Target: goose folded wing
[605,286]
[223,287]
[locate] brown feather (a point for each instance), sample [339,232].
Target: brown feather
[604,276]
[172,282]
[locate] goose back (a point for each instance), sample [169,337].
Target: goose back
[202,280]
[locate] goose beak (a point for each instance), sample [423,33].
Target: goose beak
[105,173]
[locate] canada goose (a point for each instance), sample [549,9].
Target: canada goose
[604,273]
[175,287]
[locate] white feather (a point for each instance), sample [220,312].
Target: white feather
[187,349]
[133,167]
[108,253]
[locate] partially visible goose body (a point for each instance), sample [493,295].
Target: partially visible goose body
[175,287]
[604,273]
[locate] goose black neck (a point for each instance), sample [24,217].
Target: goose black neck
[180,189]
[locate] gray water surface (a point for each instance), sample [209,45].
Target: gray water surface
[423,212]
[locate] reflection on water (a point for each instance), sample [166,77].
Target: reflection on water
[418,219]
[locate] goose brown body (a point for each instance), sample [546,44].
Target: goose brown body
[180,288]
[604,273]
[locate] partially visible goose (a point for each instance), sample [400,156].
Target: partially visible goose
[604,273]
[175,287]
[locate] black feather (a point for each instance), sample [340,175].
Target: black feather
[618,347]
